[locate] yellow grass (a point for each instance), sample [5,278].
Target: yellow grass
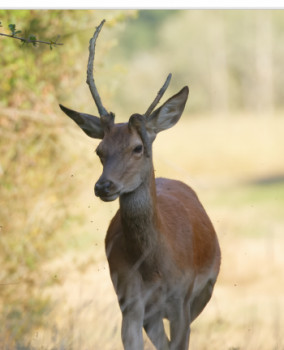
[218,157]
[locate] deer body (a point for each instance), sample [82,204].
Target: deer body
[162,250]
[164,260]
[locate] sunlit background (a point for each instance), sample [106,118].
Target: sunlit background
[55,289]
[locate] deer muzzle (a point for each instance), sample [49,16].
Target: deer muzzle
[106,190]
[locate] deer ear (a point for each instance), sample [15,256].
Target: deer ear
[90,124]
[169,113]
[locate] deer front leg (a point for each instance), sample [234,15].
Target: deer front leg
[155,330]
[132,323]
[180,333]
[179,326]
[132,306]
[128,289]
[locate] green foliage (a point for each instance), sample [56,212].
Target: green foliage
[38,78]
[13,29]
[31,39]
[34,194]
[31,216]
[142,32]
[231,60]
[26,74]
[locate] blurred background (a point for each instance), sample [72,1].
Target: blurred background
[55,289]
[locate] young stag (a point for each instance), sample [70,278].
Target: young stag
[161,247]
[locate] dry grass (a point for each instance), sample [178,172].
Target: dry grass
[220,158]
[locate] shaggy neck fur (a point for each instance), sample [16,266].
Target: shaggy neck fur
[140,221]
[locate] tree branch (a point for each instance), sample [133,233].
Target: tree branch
[32,41]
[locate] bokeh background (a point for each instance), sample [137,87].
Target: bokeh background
[55,289]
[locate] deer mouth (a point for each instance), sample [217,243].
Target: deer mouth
[109,197]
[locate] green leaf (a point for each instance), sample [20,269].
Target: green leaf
[32,39]
[12,27]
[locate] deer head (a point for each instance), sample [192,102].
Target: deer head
[126,148]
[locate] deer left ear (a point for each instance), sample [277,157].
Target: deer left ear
[169,113]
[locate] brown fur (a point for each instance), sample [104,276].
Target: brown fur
[164,249]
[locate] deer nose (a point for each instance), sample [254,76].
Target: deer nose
[102,188]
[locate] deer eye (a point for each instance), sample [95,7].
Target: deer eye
[138,149]
[100,154]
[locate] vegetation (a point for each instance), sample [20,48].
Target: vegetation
[230,58]
[54,283]
[34,164]
[30,40]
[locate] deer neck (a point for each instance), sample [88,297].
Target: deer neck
[139,218]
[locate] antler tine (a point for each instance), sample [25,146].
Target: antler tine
[159,96]
[90,68]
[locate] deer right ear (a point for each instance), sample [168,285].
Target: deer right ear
[90,124]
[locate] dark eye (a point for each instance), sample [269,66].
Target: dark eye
[99,154]
[138,149]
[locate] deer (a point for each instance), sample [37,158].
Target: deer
[162,249]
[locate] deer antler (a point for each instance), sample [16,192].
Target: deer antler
[159,96]
[90,78]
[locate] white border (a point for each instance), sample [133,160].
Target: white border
[138,4]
